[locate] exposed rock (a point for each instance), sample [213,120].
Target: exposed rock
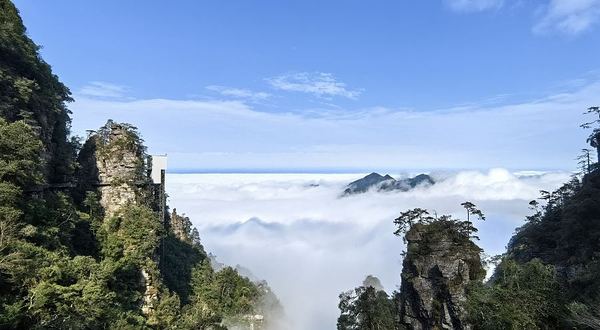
[439,264]
[421,179]
[372,281]
[214,263]
[114,197]
[180,225]
[386,183]
[120,167]
[570,273]
[115,163]
[150,294]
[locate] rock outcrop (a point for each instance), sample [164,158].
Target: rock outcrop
[115,159]
[120,164]
[440,262]
[180,225]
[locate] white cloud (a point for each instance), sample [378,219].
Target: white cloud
[105,90]
[239,93]
[317,83]
[568,16]
[310,245]
[231,135]
[473,5]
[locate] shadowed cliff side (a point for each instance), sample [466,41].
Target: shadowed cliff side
[32,93]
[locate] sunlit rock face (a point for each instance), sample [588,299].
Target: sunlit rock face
[118,162]
[440,262]
[180,225]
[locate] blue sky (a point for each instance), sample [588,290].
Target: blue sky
[336,85]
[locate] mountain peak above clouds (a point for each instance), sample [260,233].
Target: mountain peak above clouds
[386,183]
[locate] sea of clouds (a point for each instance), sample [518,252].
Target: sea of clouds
[310,244]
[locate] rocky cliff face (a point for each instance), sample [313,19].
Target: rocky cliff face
[115,158]
[440,262]
[120,167]
[181,225]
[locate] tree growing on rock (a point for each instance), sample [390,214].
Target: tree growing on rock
[594,138]
[536,217]
[440,262]
[584,161]
[407,219]
[472,210]
[367,307]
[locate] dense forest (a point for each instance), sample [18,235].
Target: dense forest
[82,243]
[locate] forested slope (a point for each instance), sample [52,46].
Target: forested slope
[82,245]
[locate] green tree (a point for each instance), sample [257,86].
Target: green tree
[10,213]
[472,210]
[63,263]
[584,161]
[594,138]
[31,93]
[408,218]
[367,307]
[537,216]
[20,160]
[521,297]
[20,154]
[195,237]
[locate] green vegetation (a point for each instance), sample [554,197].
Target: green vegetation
[20,154]
[550,276]
[439,228]
[367,307]
[30,92]
[440,262]
[594,138]
[64,262]
[522,296]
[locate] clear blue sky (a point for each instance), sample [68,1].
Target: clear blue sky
[324,68]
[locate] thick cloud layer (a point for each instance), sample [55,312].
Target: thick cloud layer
[296,232]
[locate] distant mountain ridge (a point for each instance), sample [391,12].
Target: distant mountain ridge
[386,183]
